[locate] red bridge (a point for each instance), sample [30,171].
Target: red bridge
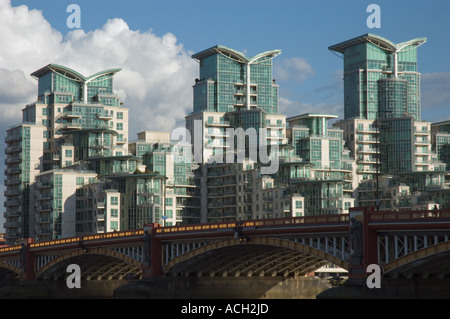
[405,244]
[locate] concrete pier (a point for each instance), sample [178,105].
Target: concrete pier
[223,288]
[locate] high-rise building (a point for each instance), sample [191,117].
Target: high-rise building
[77,129]
[232,91]
[235,93]
[440,135]
[381,78]
[172,159]
[24,149]
[324,171]
[382,106]
[383,127]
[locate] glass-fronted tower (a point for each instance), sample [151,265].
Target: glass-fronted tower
[380,77]
[231,91]
[74,120]
[382,105]
[230,81]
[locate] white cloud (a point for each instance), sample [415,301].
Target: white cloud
[295,68]
[156,71]
[14,86]
[155,82]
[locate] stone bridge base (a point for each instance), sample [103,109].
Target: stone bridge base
[92,289]
[393,288]
[223,288]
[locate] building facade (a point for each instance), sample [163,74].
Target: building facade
[381,78]
[172,159]
[74,134]
[382,123]
[71,169]
[236,95]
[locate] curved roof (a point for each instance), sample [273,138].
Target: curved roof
[310,115]
[235,55]
[71,73]
[381,42]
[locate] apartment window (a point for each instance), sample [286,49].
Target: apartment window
[114,200]
[114,212]
[120,115]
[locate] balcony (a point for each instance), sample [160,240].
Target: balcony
[71,126]
[417,132]
[13,212]
[44,197]
[367,140]
[14,202]
[13,149]
[13,234]
[219,123]
[11,138]
[44,208]
[366,150]
[122,140]
[104,116]
[13,192]
[44,219]
[12,224]
[13,159]
[71,115]
[362,160]
[44,184]
[13,170]
[99,146]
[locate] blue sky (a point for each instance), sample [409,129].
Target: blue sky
[152,42]
[303,30]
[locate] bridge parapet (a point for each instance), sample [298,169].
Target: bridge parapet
[389,239]
[413,216]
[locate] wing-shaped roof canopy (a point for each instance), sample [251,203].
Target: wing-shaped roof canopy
[379,41]
[233,54]
[68,72]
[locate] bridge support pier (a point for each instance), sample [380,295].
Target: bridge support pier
[361,258]
[190,287]
[28,263]
[153,266]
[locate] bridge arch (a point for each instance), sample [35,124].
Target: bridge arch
[16,270]
[96,263]
[421,261]
[261,256]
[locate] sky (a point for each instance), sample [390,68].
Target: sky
[152,42]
